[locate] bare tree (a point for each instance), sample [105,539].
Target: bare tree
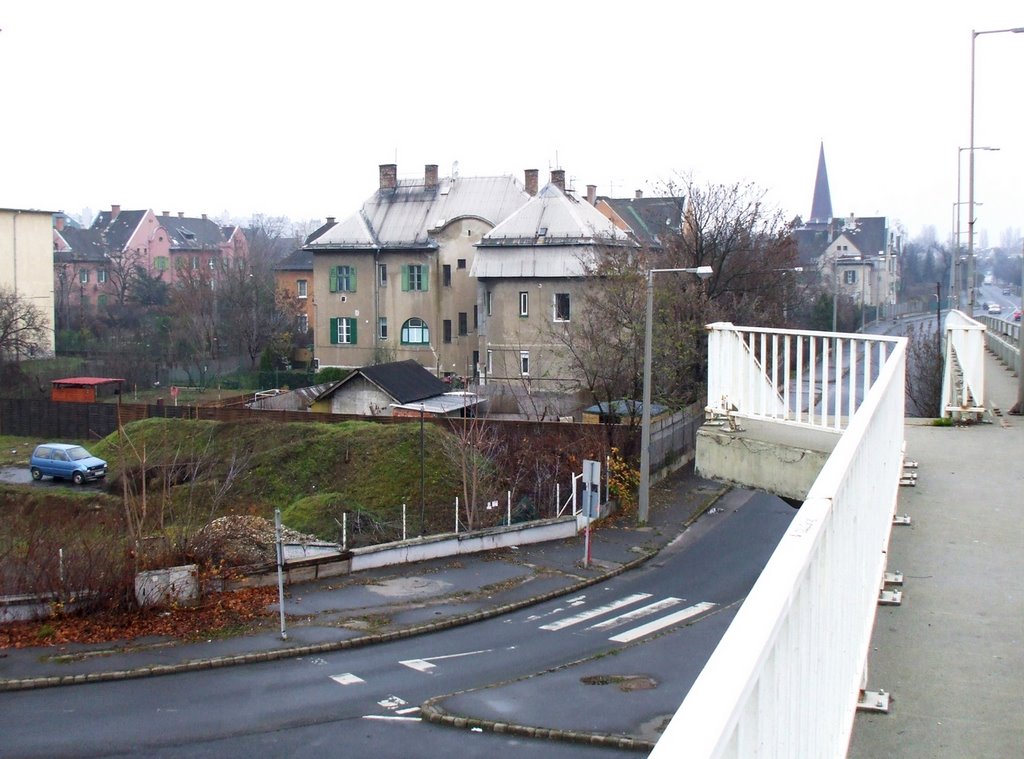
[23,327]
[123,268]
[925,364]
[254,312]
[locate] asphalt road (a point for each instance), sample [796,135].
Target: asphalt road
[661,621]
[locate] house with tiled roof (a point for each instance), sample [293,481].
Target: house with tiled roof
[91,265]
[392,281]
[649,221]
[531,270]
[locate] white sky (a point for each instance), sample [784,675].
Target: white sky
[286,109]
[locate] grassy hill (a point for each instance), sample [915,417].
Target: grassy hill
[198,470]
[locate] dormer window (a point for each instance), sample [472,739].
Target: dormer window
[542,232]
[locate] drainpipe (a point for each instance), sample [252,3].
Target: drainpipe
[14,258]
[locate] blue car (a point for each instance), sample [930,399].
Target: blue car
[66,462]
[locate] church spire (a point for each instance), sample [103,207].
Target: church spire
[821,205]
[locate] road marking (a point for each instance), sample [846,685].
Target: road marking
[596,612]
[347,679]
[408,710]
[425,665]
[392,718]
[658,624]
[643,611]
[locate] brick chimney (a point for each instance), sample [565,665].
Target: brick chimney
[592,194]
[639,194]
[60,223]
[165,213]
[114,211]
[388,177]
[531,182]
[558,178]
[330,219]
[204,217]
[430,176]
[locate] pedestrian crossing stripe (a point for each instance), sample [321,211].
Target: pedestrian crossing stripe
[347,679]
[663,622]
[631,616]
[596,612]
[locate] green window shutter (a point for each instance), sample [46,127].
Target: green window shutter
[352,331]
[334,331]
[352,280]
[334,280]
[424,277]
[405,277]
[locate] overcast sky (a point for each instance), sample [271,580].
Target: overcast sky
[286,109]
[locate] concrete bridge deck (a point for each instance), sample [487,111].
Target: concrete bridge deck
[952,654]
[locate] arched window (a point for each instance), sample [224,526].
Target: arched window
[415,332]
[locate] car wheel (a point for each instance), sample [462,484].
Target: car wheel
[36,474]
[78,478]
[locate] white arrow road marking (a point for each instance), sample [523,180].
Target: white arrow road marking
[347,679]
[643,611]
[407,710]
[671,619]
[394,719]
[424,665]
[584,616]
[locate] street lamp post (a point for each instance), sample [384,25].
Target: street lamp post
[956,208]
[970,171]
[645,419]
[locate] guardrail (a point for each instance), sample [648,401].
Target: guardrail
[786,677]
[815,379]
[963,371]
[1002,337]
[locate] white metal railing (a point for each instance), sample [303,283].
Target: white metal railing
[815,379]
[785,679]
[963,374]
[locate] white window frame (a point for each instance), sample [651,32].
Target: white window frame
[524,303]
[568,309]
[302,289]
[101,276]
[382,328]
[382,275]
[83,276]
[524,363]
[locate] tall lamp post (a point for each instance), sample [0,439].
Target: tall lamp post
[644,495]
[956,208]
[970,171]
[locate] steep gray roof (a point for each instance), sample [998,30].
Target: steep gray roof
[118,230]
[190,233]
[297,260]
[85,245]
[554,235]
[555,218]
[406,216]
[821,204]
[649,219]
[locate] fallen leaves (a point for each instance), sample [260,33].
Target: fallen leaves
[217,615]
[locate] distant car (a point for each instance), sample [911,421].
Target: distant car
[66,462]
[995,308]
[1016,315]
[1006,291]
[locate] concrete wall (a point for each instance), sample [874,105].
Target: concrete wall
[784,461]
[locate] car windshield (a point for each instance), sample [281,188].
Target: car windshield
[78,453]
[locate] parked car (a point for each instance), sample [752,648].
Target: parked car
[995,308]
[66,462]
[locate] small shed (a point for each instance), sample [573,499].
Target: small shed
[85,389]
[620,411]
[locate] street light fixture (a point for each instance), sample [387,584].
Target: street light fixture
[645,419]
[970,174]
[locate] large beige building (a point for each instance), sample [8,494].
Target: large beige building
[530,272]
[392,282]
[26,261]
